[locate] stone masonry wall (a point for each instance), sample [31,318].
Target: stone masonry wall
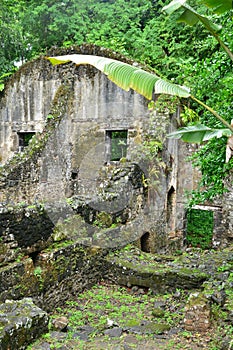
[66,158]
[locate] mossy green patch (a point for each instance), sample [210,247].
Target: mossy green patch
[132,322]
[157,328]
[157,312]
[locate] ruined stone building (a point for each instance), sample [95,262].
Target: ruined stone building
[71,137]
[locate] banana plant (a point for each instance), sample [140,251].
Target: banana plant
[198,132]
[145,83]
[191,17]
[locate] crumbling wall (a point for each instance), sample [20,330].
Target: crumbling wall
[68,158]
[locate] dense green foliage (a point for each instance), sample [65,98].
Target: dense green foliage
[199,228]
[214,85]
[185,55]
[135,28]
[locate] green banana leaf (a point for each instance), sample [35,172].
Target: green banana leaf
[190,16]
[219,6]
[126,76]
[198,133]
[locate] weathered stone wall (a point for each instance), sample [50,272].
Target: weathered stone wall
[197,313]
[23,231]
[58,272]
[85,104]
[77,106]
[25,104]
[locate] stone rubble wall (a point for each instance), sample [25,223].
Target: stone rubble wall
[57,273]
[21,323]
[67,157]
[228,210]
[23,230]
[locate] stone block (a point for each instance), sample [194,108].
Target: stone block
[197,313]
[21,322]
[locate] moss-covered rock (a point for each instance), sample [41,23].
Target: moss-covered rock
[21,322]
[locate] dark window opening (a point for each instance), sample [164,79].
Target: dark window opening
[116,144]
[34,256]
[145,242]
[24,138]
[74,174]
[171,198]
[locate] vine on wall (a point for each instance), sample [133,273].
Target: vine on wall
[200,224]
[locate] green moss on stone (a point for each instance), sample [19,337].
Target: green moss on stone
[157,312]
[132,322]
[157,328]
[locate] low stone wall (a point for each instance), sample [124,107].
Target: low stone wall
[23,230]
[58,272]
[126,268]
[228,210]
[197,313]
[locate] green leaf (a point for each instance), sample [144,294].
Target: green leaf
[126,76]
[198,133]
[164,87]
[190,16]
[173,6]
[212,27]
[219,6]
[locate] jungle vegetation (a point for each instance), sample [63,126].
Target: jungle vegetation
[185,55]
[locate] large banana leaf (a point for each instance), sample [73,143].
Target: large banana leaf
[198,133]
[190,16]
[126,76]
[219,6]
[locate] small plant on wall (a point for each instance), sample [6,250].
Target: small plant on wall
[199,228]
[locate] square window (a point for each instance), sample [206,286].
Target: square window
[24,138]
[116,144]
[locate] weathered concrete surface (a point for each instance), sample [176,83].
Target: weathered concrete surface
[21,322]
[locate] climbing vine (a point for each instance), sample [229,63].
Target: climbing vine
[199,228]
